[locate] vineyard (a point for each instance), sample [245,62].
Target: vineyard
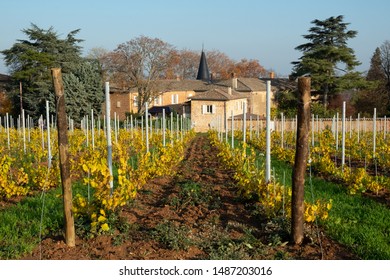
[174,194]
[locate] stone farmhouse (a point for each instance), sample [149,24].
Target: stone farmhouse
[205,101]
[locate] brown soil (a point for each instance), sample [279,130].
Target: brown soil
[194,214]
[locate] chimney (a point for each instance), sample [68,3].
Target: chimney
[234,83]
[272,74]
[229,90]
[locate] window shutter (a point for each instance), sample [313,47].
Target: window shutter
[204,109]
[213,108]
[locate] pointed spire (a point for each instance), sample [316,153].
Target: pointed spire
[203,70]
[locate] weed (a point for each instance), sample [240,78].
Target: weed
[191,193]
[220,246]
[21,225]
[118,240]
[282,255]
[208,171]
[172,236]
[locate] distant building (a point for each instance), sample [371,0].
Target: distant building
[210,109]
[206,101]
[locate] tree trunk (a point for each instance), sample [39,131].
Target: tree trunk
[301,154]
[64,159]
[326,96]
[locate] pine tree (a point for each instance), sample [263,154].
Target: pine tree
[375,97]
[375,73]
[83,90]
[327,57]
[30,62]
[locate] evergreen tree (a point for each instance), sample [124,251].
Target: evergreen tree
[30,62]
[328,59]
[83,90]
[375,73]
[376,97]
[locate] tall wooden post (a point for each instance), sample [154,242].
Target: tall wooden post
[64,159]
[301,154]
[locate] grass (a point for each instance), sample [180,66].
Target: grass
[356,221]
[20,226]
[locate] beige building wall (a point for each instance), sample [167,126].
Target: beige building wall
[172,97]
[257,103]
[206,114]
[121,103]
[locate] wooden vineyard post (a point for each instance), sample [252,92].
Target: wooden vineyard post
[64,159]
[301,154]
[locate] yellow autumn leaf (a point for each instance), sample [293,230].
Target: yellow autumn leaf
[105,227]
[329,205]
[324,215]
[101,219]
[85,167]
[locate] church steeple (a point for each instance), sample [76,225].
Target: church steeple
[203,70]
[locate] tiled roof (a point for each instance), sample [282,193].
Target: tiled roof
[169,85]
[245,84]
[181,85]
[282,84]
[219,94]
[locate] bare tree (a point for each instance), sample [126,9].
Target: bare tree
[219,64]
[186,66]
[139,63]
[249,68]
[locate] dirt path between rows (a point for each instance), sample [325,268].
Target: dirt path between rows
[193,214]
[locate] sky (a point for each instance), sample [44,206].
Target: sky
[267,31]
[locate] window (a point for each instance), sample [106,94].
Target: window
[135,101]
[118,104]
[175,99]
[208,109]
